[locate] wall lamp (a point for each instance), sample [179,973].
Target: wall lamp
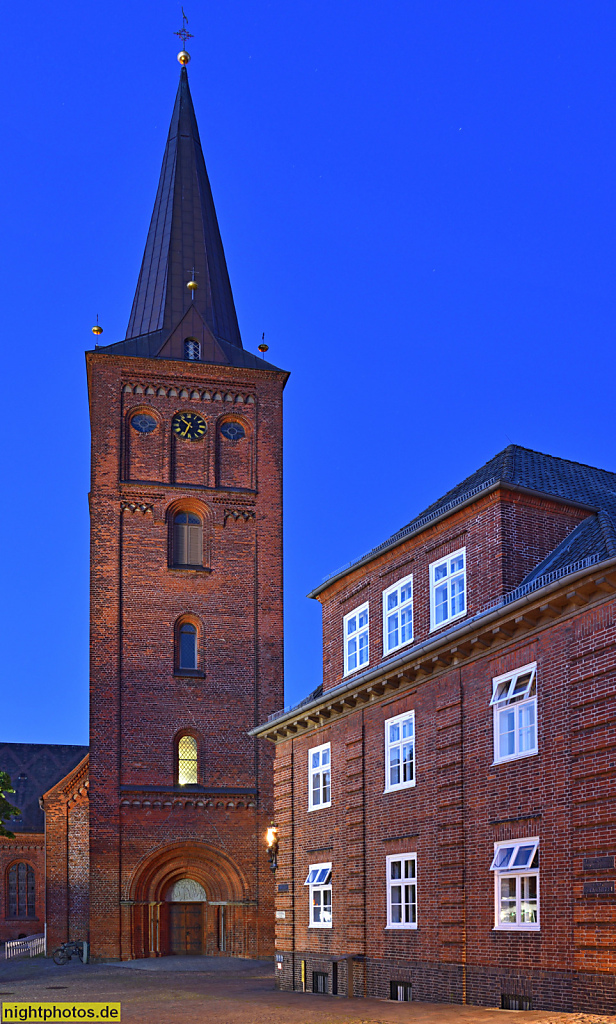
[271,838]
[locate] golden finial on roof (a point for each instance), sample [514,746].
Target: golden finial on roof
[192,284]
[97,329]
[263,347]
[184,34]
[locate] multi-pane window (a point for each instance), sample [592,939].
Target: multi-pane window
[514,699]
[187,642]
[400,751]
[355,627]
[187,539]
[319,777]
[188,766]
[319,882]
[192,349]
[448,589]
[398,615]
[402,891]
[516,884]
[21,891]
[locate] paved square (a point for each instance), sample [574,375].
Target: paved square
[220,990]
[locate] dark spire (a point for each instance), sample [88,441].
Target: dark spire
[183,236]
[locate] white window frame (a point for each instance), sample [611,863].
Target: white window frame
[389,743]
[320,770]
[406,880]
[519,873]
[520,704]
[346,639]
[434,583]
[323,872]
[396,588]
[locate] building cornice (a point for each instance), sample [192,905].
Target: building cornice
[483,634]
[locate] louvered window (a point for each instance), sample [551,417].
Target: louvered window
[21,902]
[187,539]
[188,646]
[187,761]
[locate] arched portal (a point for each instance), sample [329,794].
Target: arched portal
[189,898]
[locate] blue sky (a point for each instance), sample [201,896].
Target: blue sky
[417,202]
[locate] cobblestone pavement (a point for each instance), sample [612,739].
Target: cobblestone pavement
[175,991]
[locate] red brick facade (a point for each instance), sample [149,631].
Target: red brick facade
[146,830]
[67,858]
[463,801]
[28,848]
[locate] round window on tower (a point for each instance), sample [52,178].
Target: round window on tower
[233,431]
[143,423]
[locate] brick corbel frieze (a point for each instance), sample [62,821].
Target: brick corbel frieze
[484,635]
[161,799]
[239,513]
[137,506]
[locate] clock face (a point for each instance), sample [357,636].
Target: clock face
[189,426]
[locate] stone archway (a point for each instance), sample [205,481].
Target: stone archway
[189,898]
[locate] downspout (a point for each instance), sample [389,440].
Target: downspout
[462,770]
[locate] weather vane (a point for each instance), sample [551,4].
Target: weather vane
[184,34]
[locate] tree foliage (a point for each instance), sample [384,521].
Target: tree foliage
[7,810]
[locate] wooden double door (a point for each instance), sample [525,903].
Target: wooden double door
[186,928]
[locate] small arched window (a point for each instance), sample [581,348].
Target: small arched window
[21,893]
[187,654]
[187,539]
[188,762]
[192,349]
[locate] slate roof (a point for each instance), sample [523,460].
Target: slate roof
[34,768]
[184,235]
[543,474]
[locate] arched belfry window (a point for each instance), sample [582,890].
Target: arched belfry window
[187,646]
[187,539]
[21,892]
[192,349]
[188,761]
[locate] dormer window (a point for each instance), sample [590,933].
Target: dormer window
[192,349]
[448,589]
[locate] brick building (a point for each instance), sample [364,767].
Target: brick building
[154,839]
[445,800]
[33,768]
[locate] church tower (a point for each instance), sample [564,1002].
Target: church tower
[186,595]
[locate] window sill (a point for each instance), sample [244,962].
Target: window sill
[400,928]
[319,926]
[319,807]
[517,928]
[396,789]
[190,568]
[514,757]
[188,673]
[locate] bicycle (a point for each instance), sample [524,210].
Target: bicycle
[66,951]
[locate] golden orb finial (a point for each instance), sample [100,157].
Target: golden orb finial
[184,34]
[192,285]
[97,329]
[263,347]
